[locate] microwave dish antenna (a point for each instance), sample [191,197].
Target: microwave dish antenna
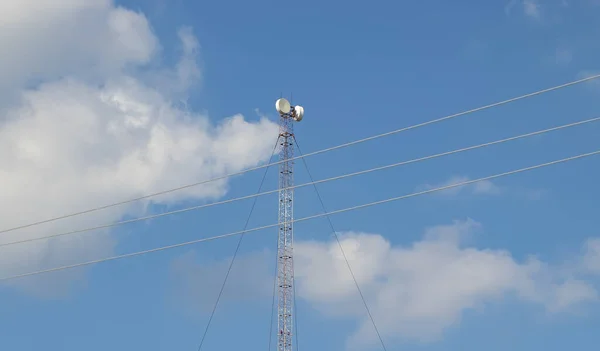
[283,106]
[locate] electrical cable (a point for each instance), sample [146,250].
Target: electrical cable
[303,219]
[337,238]
[193,208]
[235,253]
[539,92]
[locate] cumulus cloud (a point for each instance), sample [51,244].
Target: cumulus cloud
[418,291]
[85,121]
[415,292]
[485,187]
[85,38]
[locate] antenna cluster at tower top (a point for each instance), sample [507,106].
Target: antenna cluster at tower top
[285,109]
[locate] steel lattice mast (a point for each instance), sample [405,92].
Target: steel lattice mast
[285,261]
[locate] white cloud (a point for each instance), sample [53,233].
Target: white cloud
[186,73]
[485,187]
[90,39]
[531,8]
[538,9]
[78,129]
[417,292]
[591,258]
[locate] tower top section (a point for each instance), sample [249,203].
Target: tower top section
[285,109]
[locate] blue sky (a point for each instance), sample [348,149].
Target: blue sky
[518,276]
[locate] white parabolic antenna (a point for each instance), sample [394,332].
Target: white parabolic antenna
[298,113]
[283,106]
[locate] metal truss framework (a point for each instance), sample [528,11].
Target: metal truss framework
[285,261]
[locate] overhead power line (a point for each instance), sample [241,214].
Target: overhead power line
[521,97]
[163,248]
[193,208]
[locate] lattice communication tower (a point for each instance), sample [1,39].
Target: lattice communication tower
[285,259]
